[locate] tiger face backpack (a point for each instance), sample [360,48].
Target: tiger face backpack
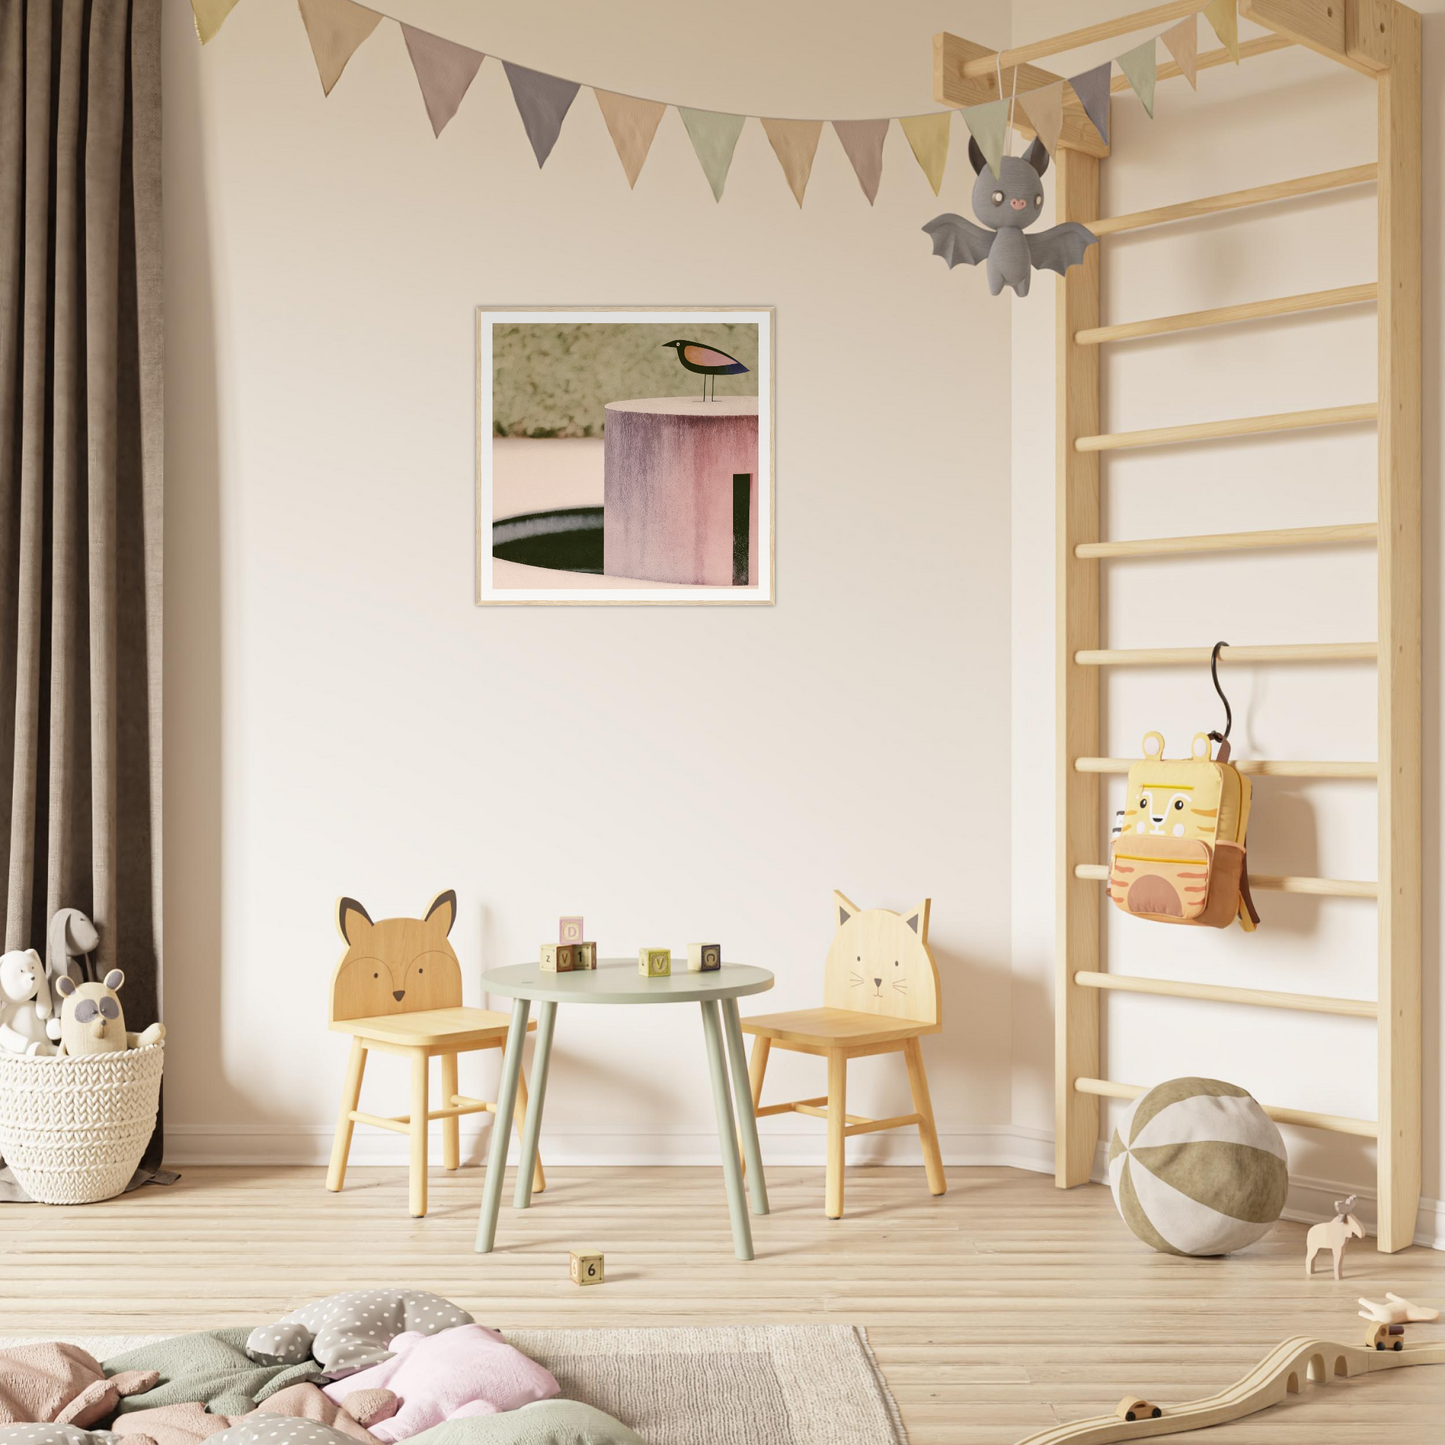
[1178,851]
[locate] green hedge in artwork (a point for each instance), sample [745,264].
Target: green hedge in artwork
[553,381]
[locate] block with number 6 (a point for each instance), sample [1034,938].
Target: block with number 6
[585,1268]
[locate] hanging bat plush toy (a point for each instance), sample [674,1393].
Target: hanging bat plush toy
[1007,203]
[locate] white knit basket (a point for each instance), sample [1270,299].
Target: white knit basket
[74,1129]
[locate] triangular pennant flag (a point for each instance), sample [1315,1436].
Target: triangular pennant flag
[928,136]
[632,124]
[796,143]
[714,137]
[1139,70]
[1224,19]
[988,125]
[1092,88]
[543,102]
[335,29]
[1182,42]
[444,70]
[863,145]
[1045,110]
[210,16]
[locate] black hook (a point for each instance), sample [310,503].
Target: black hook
[1228,711]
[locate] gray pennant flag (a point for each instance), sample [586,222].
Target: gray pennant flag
[1092,88]
[542,102]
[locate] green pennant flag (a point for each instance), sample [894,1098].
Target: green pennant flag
[714,137]
[1139,70]
[988,125]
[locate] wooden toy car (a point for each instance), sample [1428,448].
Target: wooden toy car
[1131,1407]
[1385,1337]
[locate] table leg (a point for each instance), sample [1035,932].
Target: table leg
[743,1098]
[726,1138]
[532,1125]
[502,1127]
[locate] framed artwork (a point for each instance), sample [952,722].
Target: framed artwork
[624,454]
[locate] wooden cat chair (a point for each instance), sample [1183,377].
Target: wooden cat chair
[880,996]
[398,989]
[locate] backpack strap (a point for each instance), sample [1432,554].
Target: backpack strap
[1244,894]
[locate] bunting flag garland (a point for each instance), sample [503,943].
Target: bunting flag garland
[210,15]
[714,137]
[863,145]
[1182,42]
[1092,88]
[336,29]
[1224,21]
[928,136]
[795,142]
[1139,70]
[632,123]
[988,124]
[1045,110]
[543,102]
[444,71]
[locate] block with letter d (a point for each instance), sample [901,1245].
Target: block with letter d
[569,929]
[654,962]
[704,957]
[558,958]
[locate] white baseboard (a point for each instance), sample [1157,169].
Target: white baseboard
[1000,1145]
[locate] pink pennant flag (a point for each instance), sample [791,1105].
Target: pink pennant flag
[863,145]
[335,29]
[796,143]
[632,123]
[1182,42]
[444,71]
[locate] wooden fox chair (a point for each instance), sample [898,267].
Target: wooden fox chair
[398,989]
[880,996]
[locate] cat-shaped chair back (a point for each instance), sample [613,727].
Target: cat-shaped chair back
[880,963]
[395,965]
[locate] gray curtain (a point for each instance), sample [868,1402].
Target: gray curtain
[80,479]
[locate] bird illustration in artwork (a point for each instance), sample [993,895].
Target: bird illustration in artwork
[706,361]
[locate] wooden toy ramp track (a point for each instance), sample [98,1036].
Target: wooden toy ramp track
[1280,1373]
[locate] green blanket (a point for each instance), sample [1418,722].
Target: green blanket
[211,1367]
[550,1422]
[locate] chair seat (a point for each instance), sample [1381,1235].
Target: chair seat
[429,1028]
[833,1028]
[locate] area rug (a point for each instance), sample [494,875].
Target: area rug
[725,1385]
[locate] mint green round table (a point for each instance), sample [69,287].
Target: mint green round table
[617,981]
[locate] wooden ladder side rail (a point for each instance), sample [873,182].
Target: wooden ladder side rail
[1305,301]
[1258,767]
[1338,534]
[1308,1118]
[1228,993]
[1271,883]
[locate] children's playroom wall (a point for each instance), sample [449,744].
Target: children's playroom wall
[344,720]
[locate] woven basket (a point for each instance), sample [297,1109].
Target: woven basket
[74,1129]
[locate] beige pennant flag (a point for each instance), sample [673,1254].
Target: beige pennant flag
[632,123]
[335,28]
[1045,110]
[444,71]
[210,15]
[1224,19]
[1182,42]
[928,136]
[796,143]
[863,145]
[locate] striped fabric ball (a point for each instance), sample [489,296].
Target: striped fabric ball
[1197,1167]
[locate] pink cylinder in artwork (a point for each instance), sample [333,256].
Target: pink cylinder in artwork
[680,490]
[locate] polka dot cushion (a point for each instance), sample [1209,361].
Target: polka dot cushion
[60,1435]
[278,1430]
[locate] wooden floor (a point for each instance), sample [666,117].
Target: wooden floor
[1000,1308]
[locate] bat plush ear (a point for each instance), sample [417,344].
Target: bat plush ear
[976,156]
[1037,155]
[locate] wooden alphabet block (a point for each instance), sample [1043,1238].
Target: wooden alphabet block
[569,929]
[704,957]
[558,958]
[654,962]
[584,955]
[585,1267]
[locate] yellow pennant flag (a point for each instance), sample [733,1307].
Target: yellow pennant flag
[795,143]
[928,135]
[210,16]
[335,28]
[1224,19]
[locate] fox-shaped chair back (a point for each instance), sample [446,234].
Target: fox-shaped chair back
[395,965]
[880,963]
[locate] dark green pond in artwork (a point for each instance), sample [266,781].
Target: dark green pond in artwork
[569,539]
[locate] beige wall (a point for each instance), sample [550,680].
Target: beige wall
[1280,116]
[342,719]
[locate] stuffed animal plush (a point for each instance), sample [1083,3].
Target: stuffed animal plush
[62,1384]
[26,1025]
[70,935]
[91,1020]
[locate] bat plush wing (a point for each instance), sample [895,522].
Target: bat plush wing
[957,240]
[1059,247]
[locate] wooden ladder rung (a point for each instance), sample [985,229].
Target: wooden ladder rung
[1235,200]
[1273,883]
[1337,535]
[1264,652]
[1241,426]
[1226,315]
[1338,1123]
[1225,993]
[1259,767]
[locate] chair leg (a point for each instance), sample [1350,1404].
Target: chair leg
[923,1107]
[757,1067]
[419,1110]
[539,1179]
[451,1126]
[350,1098]
[837,1119]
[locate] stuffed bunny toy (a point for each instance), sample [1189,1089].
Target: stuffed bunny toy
[26,1025]
[91,1020]
[71,935]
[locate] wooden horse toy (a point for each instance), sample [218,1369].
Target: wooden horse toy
[1333,1235]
